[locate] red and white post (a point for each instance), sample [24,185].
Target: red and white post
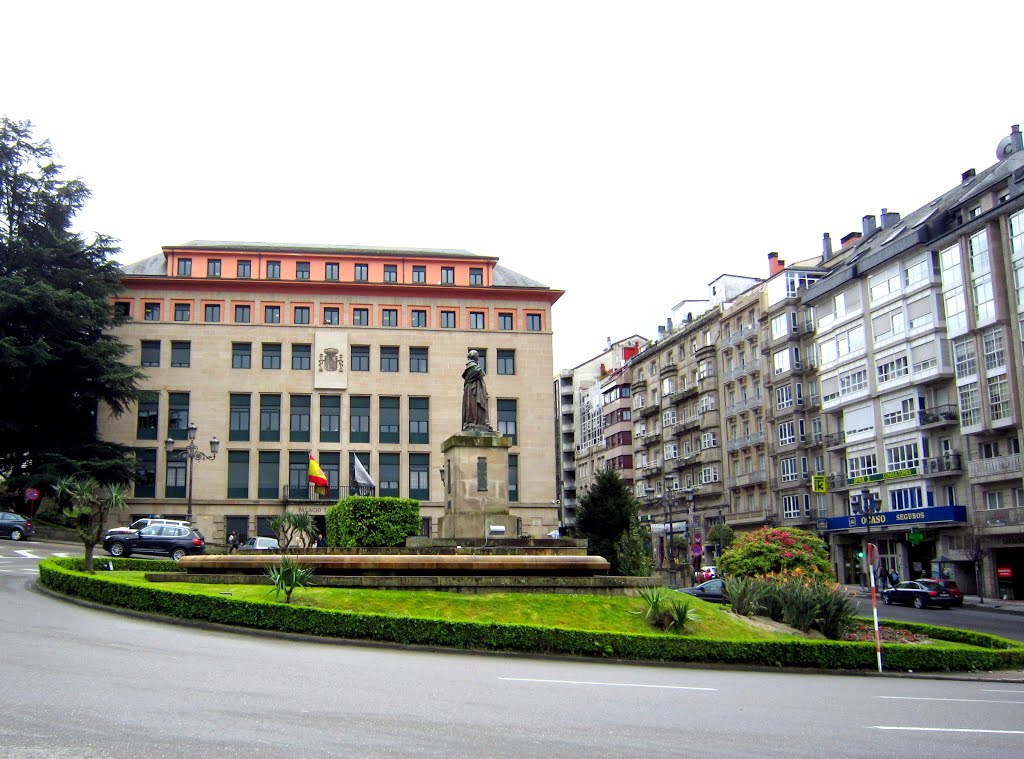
[872,560]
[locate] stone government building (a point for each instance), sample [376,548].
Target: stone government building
[286,351]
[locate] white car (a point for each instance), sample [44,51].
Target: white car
[138,524]
[260,544]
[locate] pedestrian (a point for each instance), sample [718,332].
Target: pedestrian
[894,577]
[320,542]
[233,541]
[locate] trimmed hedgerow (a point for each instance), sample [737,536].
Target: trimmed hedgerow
[62,576]
[374,521]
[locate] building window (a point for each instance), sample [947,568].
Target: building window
[211,312]
[244,270]
[786,436]
[243,314]
[892,369]
[389,359]
[995,348]
[148,421]
[239,414]
[174,478]
[181,353]
[905,498]
[151,312]
[481,358]
[476,276]
[999,398]
[122,310]
[330,418]
[901,457]
[419,317]
[332,271]
[862,465]
[302,270]
[177,416]
[418,360]
[419,420]
[533,323]
[238,474]
[970,404]
[151,353]
[505,320]
[965,359]
[182,312]
[790,506]
[269,485]
[301,356]
[513,477]
[507,418]
[361,317]
[389,474]
[389,317]
[362,272]
[298,427]
[787,470]
[783,397]
[447,275]
[273,270]
[389,429]
[271,355]
[390,273]
[270,417]
[506,362]
[302,314]
[241,355]
[271,314]
[332,315]
[359,419]
[145,473]
[419,275]
[476,319]
[184,267]
[448,320]
[419,476]
[360,360]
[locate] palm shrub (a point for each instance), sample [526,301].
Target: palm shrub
[836,613]
[681,615]
[86,502]
[294,527]
[287,576]
[744,595]
[801,602]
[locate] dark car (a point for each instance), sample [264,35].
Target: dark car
[919,593]
[15,526]
[954,590]
[172,540]
[712,590]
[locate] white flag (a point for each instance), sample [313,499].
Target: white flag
[362,476]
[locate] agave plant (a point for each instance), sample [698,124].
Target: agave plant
[287,576]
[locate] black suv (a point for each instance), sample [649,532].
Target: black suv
[171,540]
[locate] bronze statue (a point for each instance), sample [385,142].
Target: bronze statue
[474,395]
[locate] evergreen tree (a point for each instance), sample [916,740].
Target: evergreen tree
[606,514]
[58,361]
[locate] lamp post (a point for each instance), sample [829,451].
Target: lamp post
[688,494]
[190,455]
[718,542]
[671,546]
[866,506]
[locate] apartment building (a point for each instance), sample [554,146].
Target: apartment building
[343,353]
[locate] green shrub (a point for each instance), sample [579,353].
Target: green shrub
[681,615]
[771,600]
[772,550]
[287,576]
[744,595]
[837,614]
[800,604]
[359,521]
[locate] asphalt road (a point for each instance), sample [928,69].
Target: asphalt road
[966,618]
[81,682]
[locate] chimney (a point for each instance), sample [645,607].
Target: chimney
[869,224]
[668,324]
[826,247]
[967,176]
[849,240]
[1016,138]
[889,218]
[775,264]
[661,330]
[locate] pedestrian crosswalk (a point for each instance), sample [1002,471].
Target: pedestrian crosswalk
[27,559]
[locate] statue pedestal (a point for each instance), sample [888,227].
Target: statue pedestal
[476,486]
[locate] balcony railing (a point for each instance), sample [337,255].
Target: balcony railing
[747,478]
[1000,517]
[314,493]
[1000,465]
[940,415]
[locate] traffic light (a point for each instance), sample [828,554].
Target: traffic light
[860,554]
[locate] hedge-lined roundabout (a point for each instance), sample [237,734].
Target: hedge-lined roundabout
[954,650]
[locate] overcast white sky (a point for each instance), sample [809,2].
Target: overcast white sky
[593,146]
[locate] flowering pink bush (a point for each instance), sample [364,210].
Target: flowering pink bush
[775,550]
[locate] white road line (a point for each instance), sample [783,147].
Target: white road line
[27,555]
[614,685]
[61,555]
[959,700]
[946,729]
[989,690]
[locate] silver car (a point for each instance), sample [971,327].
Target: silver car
[260,544]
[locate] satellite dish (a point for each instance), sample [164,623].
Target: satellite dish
[1006,148]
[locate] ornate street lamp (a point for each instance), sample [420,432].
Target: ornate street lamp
[190,455]
[866,506]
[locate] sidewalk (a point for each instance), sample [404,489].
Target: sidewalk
[996,605]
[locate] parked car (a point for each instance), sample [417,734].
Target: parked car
[15,526]
[712,590]
[172,540]
[138,524]
[953,589]
[260,544]
[919,593]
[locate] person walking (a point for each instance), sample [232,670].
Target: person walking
[233,541]
[894,578]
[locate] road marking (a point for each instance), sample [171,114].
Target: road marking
[947,729]
[959,700]
[614,685]
[27,554]
[988,690]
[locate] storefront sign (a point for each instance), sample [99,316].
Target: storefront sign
[904,518]
[1004,573]
[897,475]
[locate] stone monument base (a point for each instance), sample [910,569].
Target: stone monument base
[476,486]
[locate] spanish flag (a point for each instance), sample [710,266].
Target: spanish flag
[316,474]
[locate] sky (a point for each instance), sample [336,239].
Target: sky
[626,153]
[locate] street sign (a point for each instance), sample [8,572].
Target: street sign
[696,549]
[819,483]
[31,494]
[697,537]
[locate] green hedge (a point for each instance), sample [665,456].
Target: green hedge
[65,576]
[374,521]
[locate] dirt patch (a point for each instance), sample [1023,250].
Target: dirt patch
[765,623]
[886,635]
